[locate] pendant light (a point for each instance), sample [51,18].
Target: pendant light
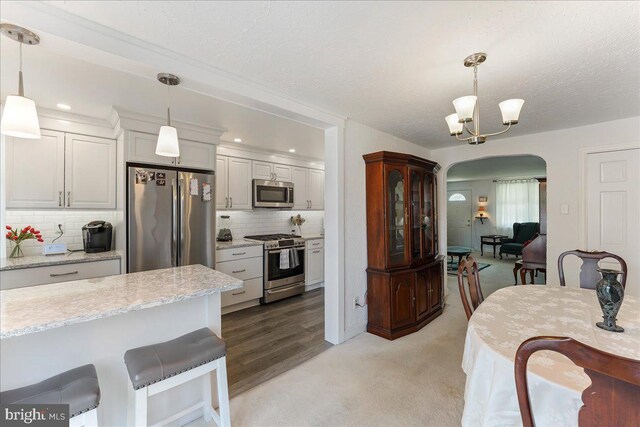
[20,118]
[167,144]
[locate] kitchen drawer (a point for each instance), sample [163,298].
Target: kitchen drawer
[242,269]
[10,279]
[223,255]
[315,244]
[251,289]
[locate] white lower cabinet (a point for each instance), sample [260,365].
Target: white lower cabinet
[244,263]
[19,278]
[315,263]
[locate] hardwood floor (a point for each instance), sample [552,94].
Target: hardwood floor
[267,340]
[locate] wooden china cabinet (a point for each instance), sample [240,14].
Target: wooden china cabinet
[405,274]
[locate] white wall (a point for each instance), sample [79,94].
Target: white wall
[484,187]
[561,150]
[360,140]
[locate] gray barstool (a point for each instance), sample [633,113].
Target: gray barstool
[78,388]
[159,367]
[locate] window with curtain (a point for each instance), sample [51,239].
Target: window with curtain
[517,200]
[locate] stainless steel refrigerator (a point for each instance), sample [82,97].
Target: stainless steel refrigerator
[170,218]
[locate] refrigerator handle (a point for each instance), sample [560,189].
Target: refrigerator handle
[181,222]
[174,223]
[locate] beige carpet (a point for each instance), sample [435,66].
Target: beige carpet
[415,380]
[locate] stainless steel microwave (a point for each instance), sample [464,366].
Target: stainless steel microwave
[272,194]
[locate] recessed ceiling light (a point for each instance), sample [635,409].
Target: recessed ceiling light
[63,106]
[237,140]
[292,150]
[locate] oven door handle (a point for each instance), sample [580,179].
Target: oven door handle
[270,252]
[283,289]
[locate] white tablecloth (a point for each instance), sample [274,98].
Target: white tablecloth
[510,316]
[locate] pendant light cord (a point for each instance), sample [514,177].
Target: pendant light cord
[20,83]
[168,106]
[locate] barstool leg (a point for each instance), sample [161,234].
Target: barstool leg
[207,408]
[140,407]
[223,393]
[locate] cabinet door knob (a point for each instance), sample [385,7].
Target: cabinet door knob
[68,199]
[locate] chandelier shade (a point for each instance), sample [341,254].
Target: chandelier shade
[167,144]
[20,118]
[465,106]
[455,127]
[468,109]
[510,110]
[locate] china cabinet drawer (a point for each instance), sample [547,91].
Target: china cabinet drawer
[10,279]
[242,269]
[251,289]
[238,253]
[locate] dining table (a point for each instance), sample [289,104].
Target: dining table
[510,316]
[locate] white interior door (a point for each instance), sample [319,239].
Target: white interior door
[613,208]
[459,218]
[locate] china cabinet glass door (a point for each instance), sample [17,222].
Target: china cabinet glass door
[415,179]
[396,216]
[428,219]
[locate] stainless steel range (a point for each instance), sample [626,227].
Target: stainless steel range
[284,267]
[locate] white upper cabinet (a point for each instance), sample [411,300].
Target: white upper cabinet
[61,171]
[199,155]
[316,189]
[222,182]
[142,148]
[194,154]
[263,170]
[90,172]
[300,179]
[271,171]
[35,171]
[240,188]
[282,172]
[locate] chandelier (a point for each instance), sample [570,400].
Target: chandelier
[468,110]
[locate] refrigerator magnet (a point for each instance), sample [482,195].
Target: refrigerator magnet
[193,186]
[206,192]
[142,176]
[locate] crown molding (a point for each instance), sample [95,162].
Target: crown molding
[63,121]
[122,119]
[271,156]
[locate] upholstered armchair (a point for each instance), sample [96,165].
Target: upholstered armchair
[522,232]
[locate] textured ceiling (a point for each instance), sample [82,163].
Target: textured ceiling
[498,167]
[396,66]
[52,77]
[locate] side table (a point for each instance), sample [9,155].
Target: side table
[491,239]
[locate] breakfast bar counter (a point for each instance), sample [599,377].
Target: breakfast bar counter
[48,329]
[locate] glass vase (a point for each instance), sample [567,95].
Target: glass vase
[16,250]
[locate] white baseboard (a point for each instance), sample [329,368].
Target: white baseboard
[308,288]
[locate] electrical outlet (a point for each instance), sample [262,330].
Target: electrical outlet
[356,302]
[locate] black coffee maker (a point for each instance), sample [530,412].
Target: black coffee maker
[97,236]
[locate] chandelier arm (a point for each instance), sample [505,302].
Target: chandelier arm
[463,139]
[498,133]
[470,132]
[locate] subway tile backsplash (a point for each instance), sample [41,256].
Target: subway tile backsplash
[47,221]
[243,223]
[264,221]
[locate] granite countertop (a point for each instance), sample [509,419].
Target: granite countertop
[237,243]
[38,308]
[30,261]
[313,237]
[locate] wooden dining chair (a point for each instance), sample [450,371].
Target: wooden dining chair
[612,399]
[469,266]
[589,275]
